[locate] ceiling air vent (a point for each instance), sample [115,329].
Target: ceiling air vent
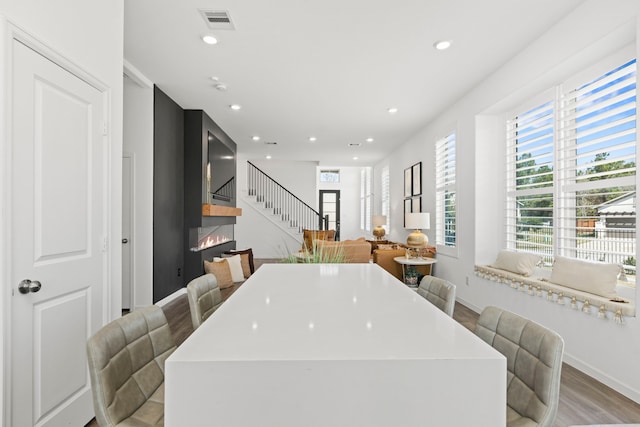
[354,144]
[270,143]
[217,19]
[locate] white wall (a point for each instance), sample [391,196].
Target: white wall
[70,28]
[603,349]
[299,177]
[138,142]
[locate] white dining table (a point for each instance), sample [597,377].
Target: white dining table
[332,345]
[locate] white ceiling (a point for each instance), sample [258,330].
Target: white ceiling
[329,68]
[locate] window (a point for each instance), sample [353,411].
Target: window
[571,165]
[530,146]
[330,175]
[446,191]
[365,199]
[385,197]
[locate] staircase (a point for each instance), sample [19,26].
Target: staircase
[281,206]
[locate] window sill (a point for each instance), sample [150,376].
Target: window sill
[558,294]
[447,251]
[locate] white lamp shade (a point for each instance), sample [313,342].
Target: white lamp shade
[378,220]
[417,221]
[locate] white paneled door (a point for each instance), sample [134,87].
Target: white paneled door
[58,223]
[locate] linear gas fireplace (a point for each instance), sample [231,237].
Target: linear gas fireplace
[202,238]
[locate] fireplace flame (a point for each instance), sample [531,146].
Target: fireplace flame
[210,241]
[215,241]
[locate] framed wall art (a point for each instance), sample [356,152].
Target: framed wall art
[416,179]
[408,188]
[416,204]
[407,209]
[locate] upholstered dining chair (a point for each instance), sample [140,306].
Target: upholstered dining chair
[439,292]
[204,298]
[126,365]
[534,362]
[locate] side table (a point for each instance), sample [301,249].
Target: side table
[408,263]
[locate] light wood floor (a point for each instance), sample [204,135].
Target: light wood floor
[583,400]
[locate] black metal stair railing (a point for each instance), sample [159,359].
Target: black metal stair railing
[281,202]
[226,190]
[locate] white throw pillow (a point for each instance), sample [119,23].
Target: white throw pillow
[516,262]
[594,277]
[235,265]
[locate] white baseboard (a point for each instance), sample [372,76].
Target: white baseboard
[469,305]
[166,300]
[602,377]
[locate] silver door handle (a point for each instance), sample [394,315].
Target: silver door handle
[27,286]
[125,240]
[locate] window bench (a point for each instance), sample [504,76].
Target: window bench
[539,286]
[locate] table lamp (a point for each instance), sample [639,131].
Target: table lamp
[417,221]
[378,221]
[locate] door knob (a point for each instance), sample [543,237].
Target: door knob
[125,240]
[27,286]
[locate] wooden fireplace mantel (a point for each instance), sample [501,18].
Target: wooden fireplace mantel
[216,210]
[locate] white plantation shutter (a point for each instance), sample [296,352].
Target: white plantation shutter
[446,217]
[366,197]
[363,210]
[596,206]
[571,165]
[386,197]
[529,164]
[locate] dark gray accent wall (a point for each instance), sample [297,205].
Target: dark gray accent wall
[168,196]
[198,126]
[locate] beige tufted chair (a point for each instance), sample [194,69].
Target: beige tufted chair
[439,292]
[126,364]
[204,298]
[534,361]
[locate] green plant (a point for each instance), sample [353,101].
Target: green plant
[320,254]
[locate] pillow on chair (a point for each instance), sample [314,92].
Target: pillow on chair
[246,259]
[235,267]
[221,270]
[308,236]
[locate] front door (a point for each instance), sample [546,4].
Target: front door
[330,207]
[58,228]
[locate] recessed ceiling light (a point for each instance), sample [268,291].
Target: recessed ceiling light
[369,139]
[312,139]
[355,158]
[221,87]
[209,39]
[235,107]
[442,44]
[255,138]
[214,78]
[268,156]
[392,110]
